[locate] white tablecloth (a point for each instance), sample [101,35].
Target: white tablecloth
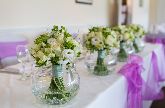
[95,92]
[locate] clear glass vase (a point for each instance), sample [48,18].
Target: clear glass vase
[138,45]
[101,68]
[55,85]
[129,47]
[96,63]
[122,55]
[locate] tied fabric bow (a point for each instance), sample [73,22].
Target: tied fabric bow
[132,72]
[138,89]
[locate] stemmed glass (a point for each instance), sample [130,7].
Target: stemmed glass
[23,57]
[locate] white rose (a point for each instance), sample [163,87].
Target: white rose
[48,50]
[60,38]
[91,34]
[52,41]
[51,55]
[41,55]
[110,40]
[99,35]
[68,53]
[126,36]
[100,45]
[36,47]
[95,41]
[44,58]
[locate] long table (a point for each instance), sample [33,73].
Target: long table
[95,92]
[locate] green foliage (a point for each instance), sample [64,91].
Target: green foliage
[69,45]
[42,39]
[57,90]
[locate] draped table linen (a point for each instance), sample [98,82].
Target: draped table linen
[95,92]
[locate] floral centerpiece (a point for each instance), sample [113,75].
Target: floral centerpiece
[125,36]
[138,32]
[101,39]
[59,49]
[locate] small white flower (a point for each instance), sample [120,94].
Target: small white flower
[52,41]
[95,41]
[68,53]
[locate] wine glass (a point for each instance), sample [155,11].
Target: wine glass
[23,57]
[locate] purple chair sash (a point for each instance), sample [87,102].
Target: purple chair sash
[138,89]
[152,88]
[132,72]
[8,49]
[155,38]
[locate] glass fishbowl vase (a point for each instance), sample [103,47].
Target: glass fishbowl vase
[138,45]
[122,54]
[55,85]
[97,64]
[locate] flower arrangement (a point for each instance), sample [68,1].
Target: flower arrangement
[128,34]
[124,33]
[59,49]
[56,47]
[138,32]
[125,36]
[101,39]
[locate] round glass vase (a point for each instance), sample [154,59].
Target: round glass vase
[55,85]
[97,64]
[122,55]
[100,67]
[138,45]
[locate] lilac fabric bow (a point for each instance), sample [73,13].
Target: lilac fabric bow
[8,49]
[138,89]
[132,72]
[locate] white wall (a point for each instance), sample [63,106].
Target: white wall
[140,15]
[160,11]
[153,12]
[34,13]
[157,8]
